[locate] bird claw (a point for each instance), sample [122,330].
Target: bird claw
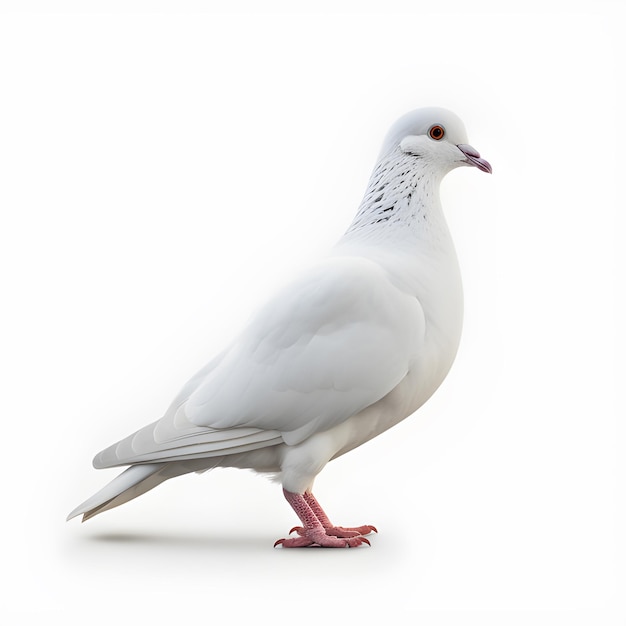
[294,542]
[315,537]
[340,531]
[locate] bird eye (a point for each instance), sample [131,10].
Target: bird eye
[436,132]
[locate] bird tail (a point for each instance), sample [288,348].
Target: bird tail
[135,481]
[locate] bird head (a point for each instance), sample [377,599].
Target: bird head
[437,136]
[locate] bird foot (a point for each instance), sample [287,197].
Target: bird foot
[317,529]
[340,531]
[318,537]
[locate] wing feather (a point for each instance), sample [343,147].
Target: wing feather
[326,347]
[174,438]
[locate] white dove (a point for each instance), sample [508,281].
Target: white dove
[349,349]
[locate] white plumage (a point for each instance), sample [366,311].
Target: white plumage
[352,347]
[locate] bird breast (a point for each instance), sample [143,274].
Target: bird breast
[434,280]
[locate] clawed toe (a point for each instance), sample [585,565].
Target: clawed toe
[293,542]
[321,540]
[340,531]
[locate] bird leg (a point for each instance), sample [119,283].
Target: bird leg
[331,529]
[314,531]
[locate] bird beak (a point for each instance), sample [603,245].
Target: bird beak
[473,157]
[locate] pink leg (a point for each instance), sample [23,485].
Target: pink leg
[313,531]
[331,529]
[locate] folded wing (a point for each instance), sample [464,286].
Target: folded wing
[321,350]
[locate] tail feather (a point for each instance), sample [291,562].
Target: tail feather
[135,481]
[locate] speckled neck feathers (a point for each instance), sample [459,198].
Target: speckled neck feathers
[401,203]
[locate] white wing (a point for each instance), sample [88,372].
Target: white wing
[323,349]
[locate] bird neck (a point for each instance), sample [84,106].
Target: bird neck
[401,205]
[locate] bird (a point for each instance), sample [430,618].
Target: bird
[353,345]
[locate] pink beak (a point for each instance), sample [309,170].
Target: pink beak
[473,157]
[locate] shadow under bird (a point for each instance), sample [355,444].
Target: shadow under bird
[350,348]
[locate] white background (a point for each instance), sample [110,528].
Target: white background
[162,171]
